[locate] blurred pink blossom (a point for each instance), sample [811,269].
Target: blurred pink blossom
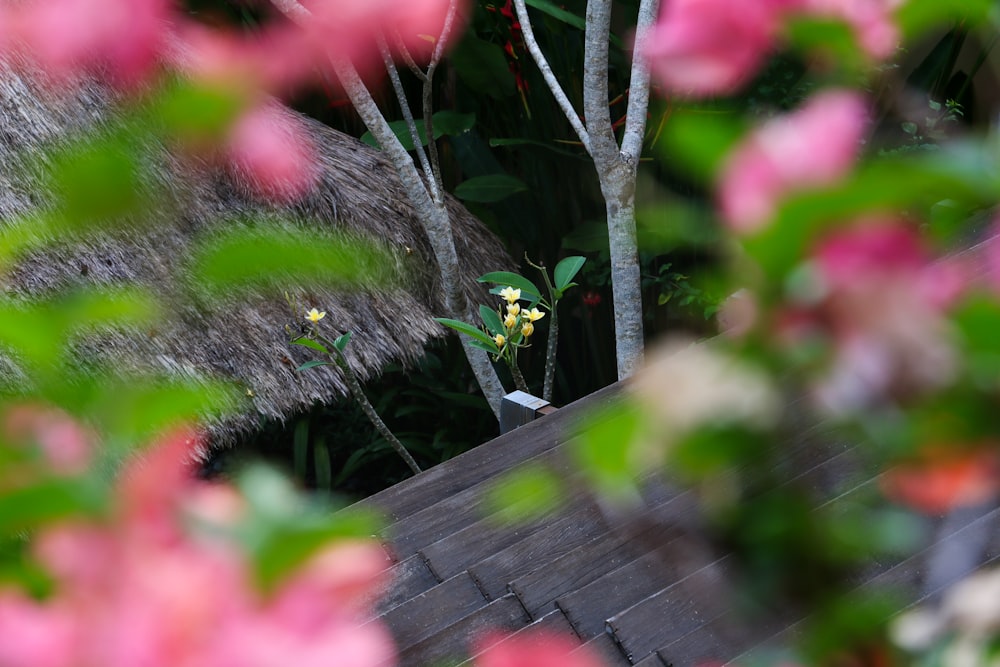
[876,301]
[141,589]
[872,21]
[537,649]
[65,37]
[64,444]
[274,151]
[811,147]
[710,47]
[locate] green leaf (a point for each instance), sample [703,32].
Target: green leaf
[490,347]
[566,17]
[547,145]
[489,188]
[28,507]
[452,122]
[310,343]
[197,112]
[467,329]
[401,129]
[525,494]
[267,257]
[313,364]
[482,66]
[603,450]
[698,139]
[491,319]
[342,341]
[566,270]
[529,291]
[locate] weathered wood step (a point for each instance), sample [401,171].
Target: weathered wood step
[457,641]
[539,588]
[603,646]
[404,580]
[470,545]
[434,610]
[674,611]
[453,513]
[487,460]
[560,536]
[552,623]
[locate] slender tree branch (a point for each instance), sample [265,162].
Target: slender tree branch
[604,147]
[550,79]
[366,406]
[411,123]
[638,98]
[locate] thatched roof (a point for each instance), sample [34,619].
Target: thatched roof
[244,341]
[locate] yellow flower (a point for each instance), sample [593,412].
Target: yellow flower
[510,294]
[510,321]
[315,315]
[534,314]
[513,309]
[527,329]
[499,340]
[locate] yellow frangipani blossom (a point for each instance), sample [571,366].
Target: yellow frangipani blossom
[527,329]
[315,315]
[534,314]
[513,309]
[510,321]
[499,340]
[510,294]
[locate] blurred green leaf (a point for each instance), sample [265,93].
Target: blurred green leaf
[525,494]
[445,123]
[197,112]
[30,507]
[602,451]
[489,188]
[269,257]
[711,450]
[695,140]
[915,17]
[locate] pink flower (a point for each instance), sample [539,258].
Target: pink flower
[64,444]
[710,47]
[67,36]
[812,147]
[876,301]
[872,21]
[274,151]
[537,649]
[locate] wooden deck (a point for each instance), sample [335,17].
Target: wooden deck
[650,593]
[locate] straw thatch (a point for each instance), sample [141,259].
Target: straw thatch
[243,341]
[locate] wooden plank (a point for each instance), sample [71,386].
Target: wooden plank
[457,641]
[432,611]
[406,579]
[553,623]
[487,460]
[673,612]
[603,646]
[653,660]
[486,537]
[454,513]
[559,537]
